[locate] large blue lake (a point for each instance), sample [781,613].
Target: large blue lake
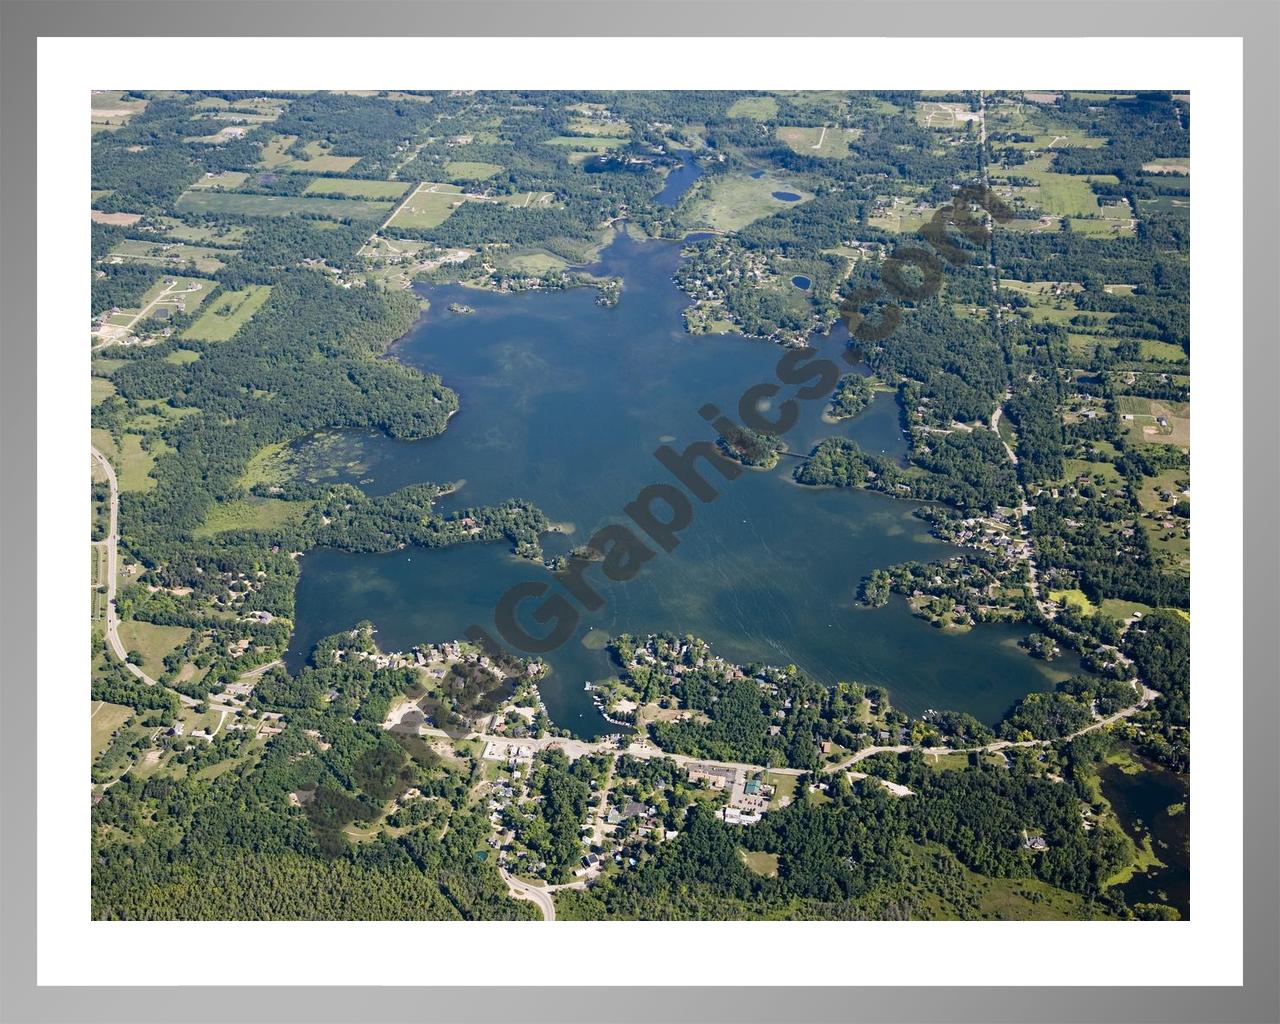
[563,403]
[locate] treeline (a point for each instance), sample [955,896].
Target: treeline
[970,470]
[862,854]
[256,852]
[304,362]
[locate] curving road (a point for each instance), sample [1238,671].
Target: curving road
[110,543]
[1148,695]
[525,891]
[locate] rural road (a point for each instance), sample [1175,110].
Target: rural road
[141,314]
[525,891]
[113,617]
[110,543]
[1148,695]
[643,749]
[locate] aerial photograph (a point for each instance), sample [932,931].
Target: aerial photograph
[645,505]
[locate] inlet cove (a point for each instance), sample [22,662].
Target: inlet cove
[562,404]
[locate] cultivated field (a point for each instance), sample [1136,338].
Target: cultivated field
[109,109]
[118,219]
[358,188]
[280,206]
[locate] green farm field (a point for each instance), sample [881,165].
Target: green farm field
[432,203]
[100,388]
[251,514]
[587,143]
[276,156]
[758,108]
[825,141]
[133,466]
[1155,422]
[280,206]
[470,170]
[104,720]
[169,254]
[1066,195]
[152,642]
[222,179]
[228,314]
[358,188]
[427,206]
[733,201]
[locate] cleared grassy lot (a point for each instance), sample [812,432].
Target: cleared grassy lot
[1066,195]
[276,156]
[222,179]
[358,188]
[758,108]
[169,254]
[761,863]
[587,143]
[319,158]
[733,201]
[428,205]
[100,388]
[226,315]
[535,262]
[934,114]
[212,234]
[251,514]
[825,141]
[104,720]
[470,170]
[134,463]
[431,203]
[206,202]
[903,215]
[1075,598]
[1155,422]
[109,109]
[152,642]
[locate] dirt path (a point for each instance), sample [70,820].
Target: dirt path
[995,429]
